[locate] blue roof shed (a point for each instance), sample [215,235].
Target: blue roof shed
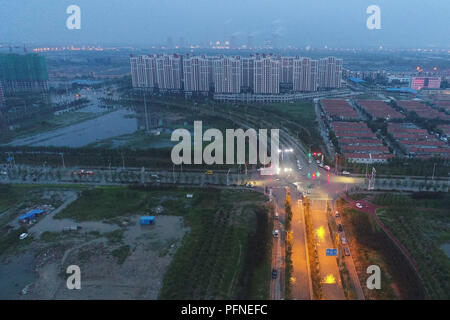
[147,220]
[31,215]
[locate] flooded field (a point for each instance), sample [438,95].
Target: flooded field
[81,134]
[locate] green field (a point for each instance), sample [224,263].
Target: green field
[423,226]
[371,246]
[225,255]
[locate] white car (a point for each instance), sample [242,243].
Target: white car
[343,240]
[359,205]
[23,236]
[345,172]
[275,233]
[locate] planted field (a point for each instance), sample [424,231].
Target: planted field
[423,226]
[227,253]
[371,246]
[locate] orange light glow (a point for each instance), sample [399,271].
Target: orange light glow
[329,279]
[320,233]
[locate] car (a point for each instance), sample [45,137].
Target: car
[327,167]
[359,205]
[274,273]
[318,161]
[340,228]
[346,251]
[337,215]
[3,172]
[276,215]
[249,185]
[275,233]
[23,236]
[209,172]
[345,173]
[343,240]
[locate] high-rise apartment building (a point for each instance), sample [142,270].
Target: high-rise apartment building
[260,74]
[227,75]
[330,73]
[248,71]
[266,75]
[305,74]
[196,74]
[155,71]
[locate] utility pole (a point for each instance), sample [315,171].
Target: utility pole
[434,169]
[62,156]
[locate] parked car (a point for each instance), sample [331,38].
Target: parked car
[23,236]
[346,251]
[359,205]
[274,273]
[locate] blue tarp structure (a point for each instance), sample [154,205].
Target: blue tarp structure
[356,80]
[147,220]
[31,215]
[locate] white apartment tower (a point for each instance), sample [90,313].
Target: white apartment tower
[227,75]
[266,76]
[305,74]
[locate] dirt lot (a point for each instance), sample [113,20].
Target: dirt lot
[117,260]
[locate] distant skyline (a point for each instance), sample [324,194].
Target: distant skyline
[300,23]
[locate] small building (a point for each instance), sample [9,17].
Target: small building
[147,220]
[30,216]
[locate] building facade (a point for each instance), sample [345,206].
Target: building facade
[259,74]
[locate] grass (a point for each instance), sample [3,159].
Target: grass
[422,225]
[8,196]
[121,253]
[10,242]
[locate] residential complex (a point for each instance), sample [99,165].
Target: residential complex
[339,110]
[23,73]
[257,74]
[359,144]
[417,142]
[422,110]
[377,109]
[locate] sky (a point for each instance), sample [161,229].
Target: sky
[317,23]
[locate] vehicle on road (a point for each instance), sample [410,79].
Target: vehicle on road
[346,251]
[209,172]
[274,273]
[23,236]
[275,233]
[249,185]
[83,172]
[359,205]
[327,167]
[343,240]
[276,215]
[340,228]
[345,173]
[337,215]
